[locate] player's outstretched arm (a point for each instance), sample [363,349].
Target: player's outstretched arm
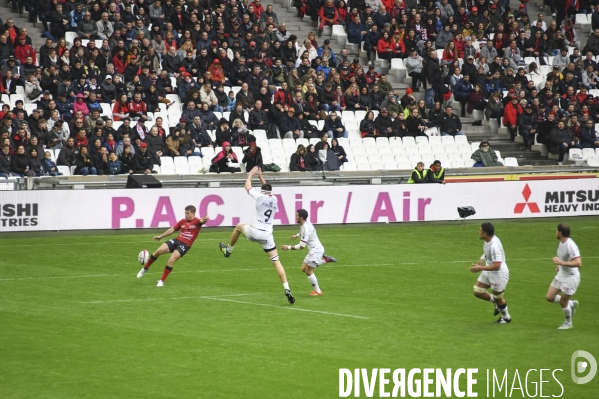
[259,174]
[248,181]
[204,219]
[165,234]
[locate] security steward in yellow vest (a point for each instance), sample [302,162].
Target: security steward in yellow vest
[436,173]
[419,174]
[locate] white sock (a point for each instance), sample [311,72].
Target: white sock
[568,313]
[491,299]
[557,299]
[286,286]
[312,279]
[505,313]
[230,248]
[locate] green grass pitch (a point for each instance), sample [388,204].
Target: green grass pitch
[75,322]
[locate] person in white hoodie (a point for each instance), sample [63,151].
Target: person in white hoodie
[414,68]
[561,60]
[312,53]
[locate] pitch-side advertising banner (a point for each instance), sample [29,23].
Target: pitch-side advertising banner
[150,208]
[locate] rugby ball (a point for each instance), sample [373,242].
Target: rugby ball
[143,257]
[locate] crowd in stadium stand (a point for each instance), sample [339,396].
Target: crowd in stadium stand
[141,58]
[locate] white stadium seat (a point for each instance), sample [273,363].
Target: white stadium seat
[181,166]
[64,169]
[510,161]
[167,165]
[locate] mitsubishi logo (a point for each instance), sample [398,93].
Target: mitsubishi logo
[519,208]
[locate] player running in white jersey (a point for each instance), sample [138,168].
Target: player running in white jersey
[495,273]
[316,255]
[261,228]
[566,281]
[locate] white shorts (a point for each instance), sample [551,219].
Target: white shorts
[314,258]
[497,280]
[265,238]
[566,283]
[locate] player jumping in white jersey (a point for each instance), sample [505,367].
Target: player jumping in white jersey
[316,255]
[566,281]
[261,228]
[495,273]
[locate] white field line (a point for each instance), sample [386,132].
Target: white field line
[286,308]
[168,299]
[548,259]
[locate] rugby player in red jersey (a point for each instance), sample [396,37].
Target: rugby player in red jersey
[188,228]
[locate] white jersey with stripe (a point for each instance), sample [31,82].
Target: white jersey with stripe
[493,252]
[309,237]
[266,209]
[568,251]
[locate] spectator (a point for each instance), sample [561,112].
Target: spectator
[87,28]
[561,140]
[333,125]
[338,151]
[414,68]
[155,142]
[34,168]
[84,165]
[252,157]
[476,101]
[510,117]
[5,162]
[225,160]
[144,160]
[114,165]
[527,126]
[383,124]
[462,91]
[223,133]
[367,125]
[371,40]
[127,159]
[290,125]
[494,108]
[298,161]
[100,162]
[485,155]
[419,174]
[328,158]
[240,135]
[258,118]
[436,173]
[449,123]
[356,31]
[414,124]
[312,161]
[48,166]
[328,16]
[24,50]
[589,137]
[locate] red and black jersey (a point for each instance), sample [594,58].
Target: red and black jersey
[189,230]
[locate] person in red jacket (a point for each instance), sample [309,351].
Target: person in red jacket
[119,61]
[383,47]
[397,46]
[328,15]
[24,50]
[258,9]
[510,116]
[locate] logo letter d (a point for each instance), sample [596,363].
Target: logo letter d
[581,367]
